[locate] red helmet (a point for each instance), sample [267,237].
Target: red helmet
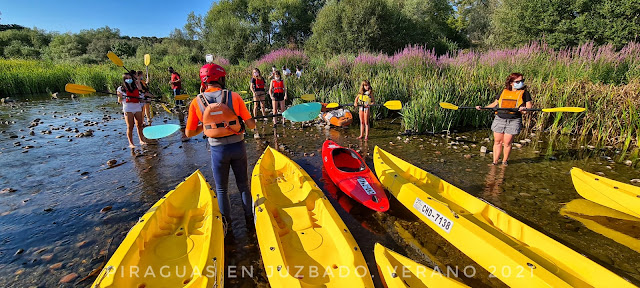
[211,72]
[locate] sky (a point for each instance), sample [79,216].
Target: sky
[134,17]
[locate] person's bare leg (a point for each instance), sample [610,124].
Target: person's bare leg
[366,124]
[508,138]
[255,107]
[497,146]
[274,105]
[138,119]
[282,110]
[128,118]
[361,116]
[147,112]
[262,103]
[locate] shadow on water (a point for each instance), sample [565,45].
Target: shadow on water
[53,224]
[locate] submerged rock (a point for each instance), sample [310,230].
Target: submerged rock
[68,278]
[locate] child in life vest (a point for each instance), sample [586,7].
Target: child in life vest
[259,94]
[278,93]
[362,102]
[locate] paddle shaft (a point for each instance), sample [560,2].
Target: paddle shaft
[267,116]
[503,109]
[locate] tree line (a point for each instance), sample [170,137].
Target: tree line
[245,30]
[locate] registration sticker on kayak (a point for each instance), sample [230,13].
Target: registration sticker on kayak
[365,185]
[432,214]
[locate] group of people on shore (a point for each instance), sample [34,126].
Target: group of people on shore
[223,117]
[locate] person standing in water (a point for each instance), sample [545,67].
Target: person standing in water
[362,102]
[129,95]
[259,94]
[507,124]
[144,88]
[222,116]
[176,86]
[278,93]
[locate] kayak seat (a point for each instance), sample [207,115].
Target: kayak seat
[347,161]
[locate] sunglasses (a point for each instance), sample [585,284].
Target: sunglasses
[518,82]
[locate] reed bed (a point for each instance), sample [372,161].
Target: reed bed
[603,80]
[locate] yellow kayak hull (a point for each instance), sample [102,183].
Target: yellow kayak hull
[179,242]
[488,235]
[398,271]
[606,192]
[302,239]
[603,220]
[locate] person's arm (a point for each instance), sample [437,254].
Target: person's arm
[492,105]
[355,102]
[271,89]
[285,90]
[252,86]
[371,100]
[528,104]
[194,127]
[119,96]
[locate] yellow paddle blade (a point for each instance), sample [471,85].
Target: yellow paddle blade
[115,59]
[308,97]
[393,105]
[446,105]
[78,89]
[564,109]
[165,108]
[247,102]
[182,97]
[333,105]
[147,59]
[243,92]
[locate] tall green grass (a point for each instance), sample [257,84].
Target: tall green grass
[603,80]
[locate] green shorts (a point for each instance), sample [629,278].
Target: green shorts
[506,126]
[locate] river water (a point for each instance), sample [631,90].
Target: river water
[52,225]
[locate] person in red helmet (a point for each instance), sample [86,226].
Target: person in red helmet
[222,116]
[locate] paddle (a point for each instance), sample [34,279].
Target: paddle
[391,105]
[147,61]
[450,106]
[82,89]
[116,60]
[298,113]
[160,131]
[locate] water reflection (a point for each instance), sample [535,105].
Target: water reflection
[618,226]
[493,182]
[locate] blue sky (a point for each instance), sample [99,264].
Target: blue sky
[133,18]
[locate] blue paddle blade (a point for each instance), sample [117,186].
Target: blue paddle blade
[160,131]
[303,112]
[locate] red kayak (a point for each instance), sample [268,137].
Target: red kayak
[349,172]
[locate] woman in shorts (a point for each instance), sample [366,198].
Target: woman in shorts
[508,123]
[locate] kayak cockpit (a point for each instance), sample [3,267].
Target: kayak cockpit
[347,160]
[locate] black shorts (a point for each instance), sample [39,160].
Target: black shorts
[278,96]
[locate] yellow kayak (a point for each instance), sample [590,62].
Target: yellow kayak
[179,242]
[398,271]
[613,224]
[613,194]
[515,253]
[303,241]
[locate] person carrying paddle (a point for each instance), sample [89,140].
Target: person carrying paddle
[222,116]
[362,102]
[278,93]
[506,124]
[128,95]
[259,94]
[144,88]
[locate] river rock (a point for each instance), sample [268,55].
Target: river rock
[517,145]
[112,162]
[635,180]
[47,257]
[7,190]
[17,144]
[56,266]
[467,156]
[20,251]
[106,209]
[483,149]
[68,278]
[628,162]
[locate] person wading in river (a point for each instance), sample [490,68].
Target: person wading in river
[259,94]
[362,102]
[506,124]
[223,116]
[278,94]
[128,95]
[144,86]
[176,87]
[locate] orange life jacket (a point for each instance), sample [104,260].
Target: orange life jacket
[218,120]
[511,99]
[278,86]
[259,83]
[135,93]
